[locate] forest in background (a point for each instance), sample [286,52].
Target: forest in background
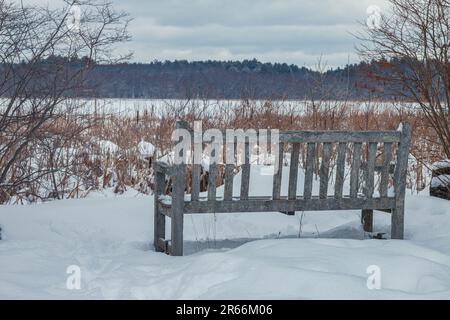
[247,79]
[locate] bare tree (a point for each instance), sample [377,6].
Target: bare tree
[412,41]
[45,56]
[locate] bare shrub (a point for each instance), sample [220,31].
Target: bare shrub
[40,67]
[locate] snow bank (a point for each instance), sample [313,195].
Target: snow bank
[441,164]
[107,146]
[238,255]
[146,149]
[442,180]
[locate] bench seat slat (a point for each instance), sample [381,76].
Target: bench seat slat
[267,204]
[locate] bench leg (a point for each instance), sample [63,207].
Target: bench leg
[159,223]
[159,229]
[367,220]
[177,211]
[177,233]
[397,222]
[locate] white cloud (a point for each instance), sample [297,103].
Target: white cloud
[293,31]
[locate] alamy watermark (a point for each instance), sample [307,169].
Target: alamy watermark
[374,278]
[373,20]
[232,146]
[73,21]
[73,281]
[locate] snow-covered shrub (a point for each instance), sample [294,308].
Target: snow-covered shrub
[440,183]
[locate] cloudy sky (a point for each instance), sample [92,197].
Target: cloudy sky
[292,31]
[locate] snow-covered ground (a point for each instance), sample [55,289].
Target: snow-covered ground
[321,255]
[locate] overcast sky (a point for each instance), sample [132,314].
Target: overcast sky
[292,31]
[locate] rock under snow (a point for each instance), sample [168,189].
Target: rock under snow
[146,149]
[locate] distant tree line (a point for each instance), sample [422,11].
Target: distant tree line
[223,80]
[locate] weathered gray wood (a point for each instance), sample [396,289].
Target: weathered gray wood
[159,218]
[163,167]
[245,177]
[197,154]
[177,220]
[367,215]
[293,173]
[309,171]
[334,136]
[354,174]
[195,191]
[339,136]
[367,220]
[177,210]
[278,173]
[370,170]
[384,181]
[229,169]
[228,192]
[212,181]
[324,170]
[397,218]
[285,205]
[165,209]
[340,171]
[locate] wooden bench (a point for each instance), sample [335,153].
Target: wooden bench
[368,153]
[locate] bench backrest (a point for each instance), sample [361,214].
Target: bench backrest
[367,153]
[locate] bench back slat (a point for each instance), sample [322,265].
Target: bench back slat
[370,169]
[309,170]
[354,175]
[293,171]
[324,170]
[384,182]
[340,171]
[229,169]
[212,181]
[195,188]
[228,189]
[245,176]
[278,172]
